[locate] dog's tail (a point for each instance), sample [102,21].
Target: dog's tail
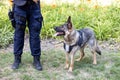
[98,50]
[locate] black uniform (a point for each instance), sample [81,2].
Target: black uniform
[27,11]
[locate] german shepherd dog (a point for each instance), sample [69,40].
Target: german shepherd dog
[77,40]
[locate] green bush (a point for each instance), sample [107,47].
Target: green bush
[6,31]
[105,21]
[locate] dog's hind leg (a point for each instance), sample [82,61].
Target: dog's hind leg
[92,46]
[67,61]
[82,54]
[94,57]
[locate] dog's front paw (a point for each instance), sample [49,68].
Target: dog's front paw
[66,66]
[94,63]
[70,69]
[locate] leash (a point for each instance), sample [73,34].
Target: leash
[56,43]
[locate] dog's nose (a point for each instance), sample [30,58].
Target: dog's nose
[55,28]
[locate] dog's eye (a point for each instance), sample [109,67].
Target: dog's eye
[62,27]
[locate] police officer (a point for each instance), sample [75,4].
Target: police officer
[27,11]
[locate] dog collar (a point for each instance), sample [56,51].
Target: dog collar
[68,48]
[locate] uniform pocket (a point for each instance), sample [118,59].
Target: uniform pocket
[20,20]
[37,21]
[38,18]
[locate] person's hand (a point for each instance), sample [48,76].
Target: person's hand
[36,1]
[10,2]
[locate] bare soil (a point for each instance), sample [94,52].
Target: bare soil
[48,44]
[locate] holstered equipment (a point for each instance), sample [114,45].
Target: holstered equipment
[11,15]
[11,11]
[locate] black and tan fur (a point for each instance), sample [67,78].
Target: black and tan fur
[83,36]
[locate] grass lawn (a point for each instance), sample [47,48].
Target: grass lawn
[105,21]
[108,67]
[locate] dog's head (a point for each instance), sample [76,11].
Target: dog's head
[64,29]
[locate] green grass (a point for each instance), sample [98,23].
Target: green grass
[108,67]
[103,20]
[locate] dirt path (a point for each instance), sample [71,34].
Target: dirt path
[52,43]
[45,45]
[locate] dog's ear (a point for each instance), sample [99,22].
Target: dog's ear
[69,19]
[69,22]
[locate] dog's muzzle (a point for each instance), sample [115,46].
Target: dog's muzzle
[59,31]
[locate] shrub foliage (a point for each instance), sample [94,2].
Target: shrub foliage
[105,21]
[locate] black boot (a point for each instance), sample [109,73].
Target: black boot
[17,61]
[37,63]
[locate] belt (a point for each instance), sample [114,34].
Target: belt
[30,2]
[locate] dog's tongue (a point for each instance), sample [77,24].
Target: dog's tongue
[55,34]
[58,33]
